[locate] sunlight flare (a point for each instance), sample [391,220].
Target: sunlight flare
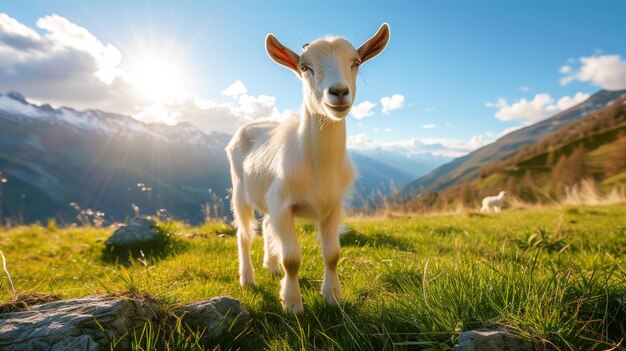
[158,78]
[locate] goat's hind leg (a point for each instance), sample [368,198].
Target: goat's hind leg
[270,255]
[244,218]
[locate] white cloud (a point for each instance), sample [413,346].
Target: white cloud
[508,130]
[605,71]
[566,102]
[363,109]
[435,146]
[235,89]
[15,33]
[64,65]
[67,65]
[429,109]
[396,101]
[540,107]
[429,126]
[360,142]
[523,88]
[210,116]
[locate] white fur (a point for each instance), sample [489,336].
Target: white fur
[299,168]
[493,203]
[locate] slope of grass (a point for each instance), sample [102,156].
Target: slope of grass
[551,275]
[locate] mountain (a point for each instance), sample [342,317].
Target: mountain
[383,171]
[467,168]
[592,148]
[52,157]
[411,165]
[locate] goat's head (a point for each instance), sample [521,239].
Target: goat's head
[328,69]
[502,194]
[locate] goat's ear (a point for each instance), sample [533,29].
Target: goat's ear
[375,45]
[281,54]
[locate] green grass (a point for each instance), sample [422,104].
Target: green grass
[550,275]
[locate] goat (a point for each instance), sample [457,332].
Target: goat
[493,203]
[299,168]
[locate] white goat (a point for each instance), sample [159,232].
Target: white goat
[493,203]
[299,167]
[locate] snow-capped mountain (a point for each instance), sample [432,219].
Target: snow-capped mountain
[52,157]
[15,107]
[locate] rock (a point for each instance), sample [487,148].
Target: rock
[491,340]
[141,232]
[216,316]
[88,323]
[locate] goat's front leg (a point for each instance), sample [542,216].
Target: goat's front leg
[281,225]
[328,229]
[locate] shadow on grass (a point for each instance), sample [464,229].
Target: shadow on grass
[447,230]
[377,239]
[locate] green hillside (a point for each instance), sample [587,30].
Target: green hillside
[591,149]
[468,168]
[551,275]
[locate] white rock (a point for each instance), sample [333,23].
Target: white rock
[491,340]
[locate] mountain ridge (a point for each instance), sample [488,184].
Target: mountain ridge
[466,168]
[56,156]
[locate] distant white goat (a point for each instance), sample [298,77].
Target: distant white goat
[300,167]
[493,203]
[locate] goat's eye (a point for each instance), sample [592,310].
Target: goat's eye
[356,64]
[305,68]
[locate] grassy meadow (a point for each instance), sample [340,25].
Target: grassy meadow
[552,275]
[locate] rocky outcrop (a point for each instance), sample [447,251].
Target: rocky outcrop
[140,232]
[89,323]
[216,316]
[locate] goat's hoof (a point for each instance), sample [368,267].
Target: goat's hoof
[331,295]
[296,309]
[332,299]
[274,270]
[246,282]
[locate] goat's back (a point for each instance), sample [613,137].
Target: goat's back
[250,134]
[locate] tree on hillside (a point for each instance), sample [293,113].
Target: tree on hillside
[550,159]
[615,161]
[526,188]
[570,170]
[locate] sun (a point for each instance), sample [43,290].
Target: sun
[158,79]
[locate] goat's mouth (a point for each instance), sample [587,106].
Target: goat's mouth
[338,108]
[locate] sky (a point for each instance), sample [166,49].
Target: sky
[455,75]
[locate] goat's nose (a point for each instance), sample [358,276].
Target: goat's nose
[339,91]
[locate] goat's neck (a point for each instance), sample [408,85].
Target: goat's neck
[323,141]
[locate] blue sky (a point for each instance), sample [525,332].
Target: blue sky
[462,72]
